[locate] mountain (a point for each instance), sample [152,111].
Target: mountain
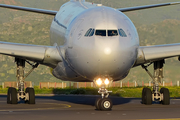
[10,2]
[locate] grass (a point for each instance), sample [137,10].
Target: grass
[120,92]
[137,92]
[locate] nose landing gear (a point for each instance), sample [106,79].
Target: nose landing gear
[104,103]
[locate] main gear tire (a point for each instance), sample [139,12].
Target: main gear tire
[8,95]
[148,97]
[143,95]
[166,96]
[31,95]
[13,96]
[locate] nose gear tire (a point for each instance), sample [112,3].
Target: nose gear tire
[105,104]
[97,103]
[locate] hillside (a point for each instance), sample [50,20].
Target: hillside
[155,26]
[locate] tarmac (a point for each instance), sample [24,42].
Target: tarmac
[81,107]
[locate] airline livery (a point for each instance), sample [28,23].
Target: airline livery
[91,43]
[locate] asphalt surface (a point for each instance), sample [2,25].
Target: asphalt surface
[80,107]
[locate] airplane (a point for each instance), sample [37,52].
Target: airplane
[91,43]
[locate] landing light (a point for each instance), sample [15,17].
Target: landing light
[99,81]
[106,81]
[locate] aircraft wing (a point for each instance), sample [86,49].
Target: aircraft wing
[42,11]
[51,12]
[47,55]
[146,6]
[147,54]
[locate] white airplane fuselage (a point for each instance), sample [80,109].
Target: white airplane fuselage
[86,58]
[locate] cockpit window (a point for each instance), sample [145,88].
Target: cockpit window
[112,33]
[122,33]
[100,32]
[89,33]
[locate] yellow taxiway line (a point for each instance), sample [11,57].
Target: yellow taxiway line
[31,109]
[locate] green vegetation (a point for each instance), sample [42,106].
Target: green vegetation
[120,92]
[155,26]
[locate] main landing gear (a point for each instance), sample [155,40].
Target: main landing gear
[103,103]
[155,95]
[14,95]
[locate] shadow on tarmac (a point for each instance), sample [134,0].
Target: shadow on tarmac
[87,99]
[84,99]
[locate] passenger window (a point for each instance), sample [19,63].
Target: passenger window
[100,32]
[122,33]
[112,33]
[87,33]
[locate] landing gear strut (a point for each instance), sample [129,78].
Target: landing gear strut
[161,95]
[14,95]
[103,103]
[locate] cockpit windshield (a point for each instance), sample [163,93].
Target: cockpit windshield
[112,33]
[122,33]
[109,33]
[100,32]
[89,33]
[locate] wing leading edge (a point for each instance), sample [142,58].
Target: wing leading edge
[42,11]
[51,12]
[147,54]
[47,55]
[146,6]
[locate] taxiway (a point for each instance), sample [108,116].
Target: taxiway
[81,107]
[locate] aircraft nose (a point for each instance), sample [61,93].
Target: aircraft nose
[100,57]
[107,50]
[105,54]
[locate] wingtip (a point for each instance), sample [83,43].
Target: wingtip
[174,3]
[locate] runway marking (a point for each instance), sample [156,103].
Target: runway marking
[67,106]
[11,110]
[31,109]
